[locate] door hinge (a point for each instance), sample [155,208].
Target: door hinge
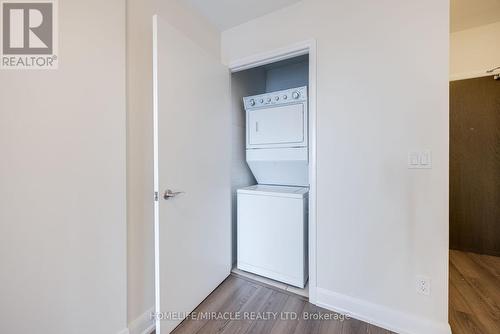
[156,196]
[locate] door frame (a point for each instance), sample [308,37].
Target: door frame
[156,177]
[302,48]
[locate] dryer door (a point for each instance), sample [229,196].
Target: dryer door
[279,126]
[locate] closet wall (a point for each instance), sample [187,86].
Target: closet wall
[287,74]
[364,52]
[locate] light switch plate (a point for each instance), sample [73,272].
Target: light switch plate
[420,159]
[413,159]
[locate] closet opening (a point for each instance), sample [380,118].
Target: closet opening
[272,166]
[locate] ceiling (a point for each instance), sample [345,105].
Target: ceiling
[466,14]
[225,14]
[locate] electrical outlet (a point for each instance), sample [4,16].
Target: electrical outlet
[423,285]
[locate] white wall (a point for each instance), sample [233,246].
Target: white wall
[140,141]
[382,90]
[62,181]
[474,51]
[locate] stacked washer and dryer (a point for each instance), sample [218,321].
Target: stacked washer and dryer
[272,215]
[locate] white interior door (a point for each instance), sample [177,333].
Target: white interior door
[193,229]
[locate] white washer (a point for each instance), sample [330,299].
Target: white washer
[272,232]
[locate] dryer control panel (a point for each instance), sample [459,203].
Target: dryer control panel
[293,95]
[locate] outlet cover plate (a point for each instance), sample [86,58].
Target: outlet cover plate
[423,285]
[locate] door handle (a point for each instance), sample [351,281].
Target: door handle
[168,194]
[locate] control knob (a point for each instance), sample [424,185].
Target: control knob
[295,95]
[252,102]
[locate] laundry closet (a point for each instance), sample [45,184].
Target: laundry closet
[270,172]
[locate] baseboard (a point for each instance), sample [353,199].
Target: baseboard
[144,324]
[378,315]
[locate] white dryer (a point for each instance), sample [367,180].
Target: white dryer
[272,216]
[277,137]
